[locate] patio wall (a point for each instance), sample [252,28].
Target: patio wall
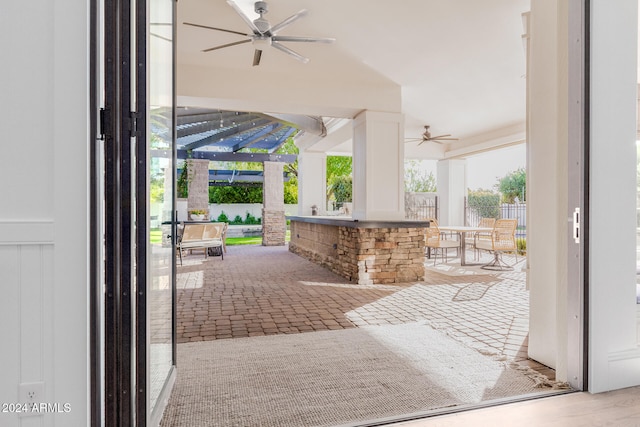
[232,209]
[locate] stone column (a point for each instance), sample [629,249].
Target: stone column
[378,166]
[198,186]
[274,227]
[452,189]
[312,182]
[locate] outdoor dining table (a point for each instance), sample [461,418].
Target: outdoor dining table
[462,230]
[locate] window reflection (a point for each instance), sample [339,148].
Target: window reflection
[159,302]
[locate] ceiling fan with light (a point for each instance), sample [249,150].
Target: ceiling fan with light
[263,34]
[426,137]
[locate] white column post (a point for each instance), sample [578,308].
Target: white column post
[378,166]
[312,182]
[452,189]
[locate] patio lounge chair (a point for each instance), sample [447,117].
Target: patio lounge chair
[503,239]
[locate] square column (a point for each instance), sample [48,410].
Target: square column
[274,226]
[378,166]
[198,173]
[452,189]
[312,182]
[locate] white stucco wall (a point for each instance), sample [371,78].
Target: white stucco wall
[44,209]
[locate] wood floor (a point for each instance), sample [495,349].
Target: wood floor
[620,408]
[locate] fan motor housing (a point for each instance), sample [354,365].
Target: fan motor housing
[260,7]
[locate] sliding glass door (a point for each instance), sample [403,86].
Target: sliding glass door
[160,182]
[133,205]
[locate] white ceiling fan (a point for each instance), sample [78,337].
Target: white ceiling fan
[264,34]
[426,137]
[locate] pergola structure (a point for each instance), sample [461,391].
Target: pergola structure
[205,135]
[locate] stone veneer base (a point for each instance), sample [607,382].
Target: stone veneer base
[274,228]
[363,253]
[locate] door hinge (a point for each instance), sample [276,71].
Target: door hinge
[576,225]
[105,121]
[133,126]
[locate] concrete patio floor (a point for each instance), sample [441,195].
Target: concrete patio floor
[258,290]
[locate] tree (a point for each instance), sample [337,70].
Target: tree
[339,181]
[416,178]
[338,166]
[512,185]
[341,189]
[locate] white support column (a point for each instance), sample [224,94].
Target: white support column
[452,189]
[274,227]
[312,182]
[378,166]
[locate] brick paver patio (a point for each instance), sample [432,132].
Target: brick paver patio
[261,290]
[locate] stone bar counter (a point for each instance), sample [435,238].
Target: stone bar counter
[366,252]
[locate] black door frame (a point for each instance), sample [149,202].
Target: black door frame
[119,218]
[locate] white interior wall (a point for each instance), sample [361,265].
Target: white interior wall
[613,350]
[44,216]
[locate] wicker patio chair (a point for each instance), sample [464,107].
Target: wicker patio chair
[503,239]
[434,240]
[482,235]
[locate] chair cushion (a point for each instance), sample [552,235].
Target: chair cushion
[484,244]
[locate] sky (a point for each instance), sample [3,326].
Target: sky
[484,170]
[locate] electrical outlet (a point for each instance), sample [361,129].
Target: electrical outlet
[30,394]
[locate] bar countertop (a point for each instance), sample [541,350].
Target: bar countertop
[346,221]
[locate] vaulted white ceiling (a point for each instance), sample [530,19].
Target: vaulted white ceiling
[457,65]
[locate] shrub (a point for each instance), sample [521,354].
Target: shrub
[485,203]
[223,217]
[521,242]
[250,219]
[237,220]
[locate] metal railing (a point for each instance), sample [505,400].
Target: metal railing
[473,214]
[418,208]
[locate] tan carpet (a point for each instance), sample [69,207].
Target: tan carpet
[333,378]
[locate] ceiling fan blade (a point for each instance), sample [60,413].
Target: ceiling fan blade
[443,139]
[439,136]
[290,20]
[226,45]
[257,55]
[290,52]
[214,28]
[244,17]
[303,39]
[407,140]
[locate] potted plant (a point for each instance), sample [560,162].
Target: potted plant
[197,214]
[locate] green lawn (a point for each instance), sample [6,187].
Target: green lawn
[254,240]
[156,238]
[156,235]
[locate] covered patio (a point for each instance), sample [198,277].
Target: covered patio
[258,294]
